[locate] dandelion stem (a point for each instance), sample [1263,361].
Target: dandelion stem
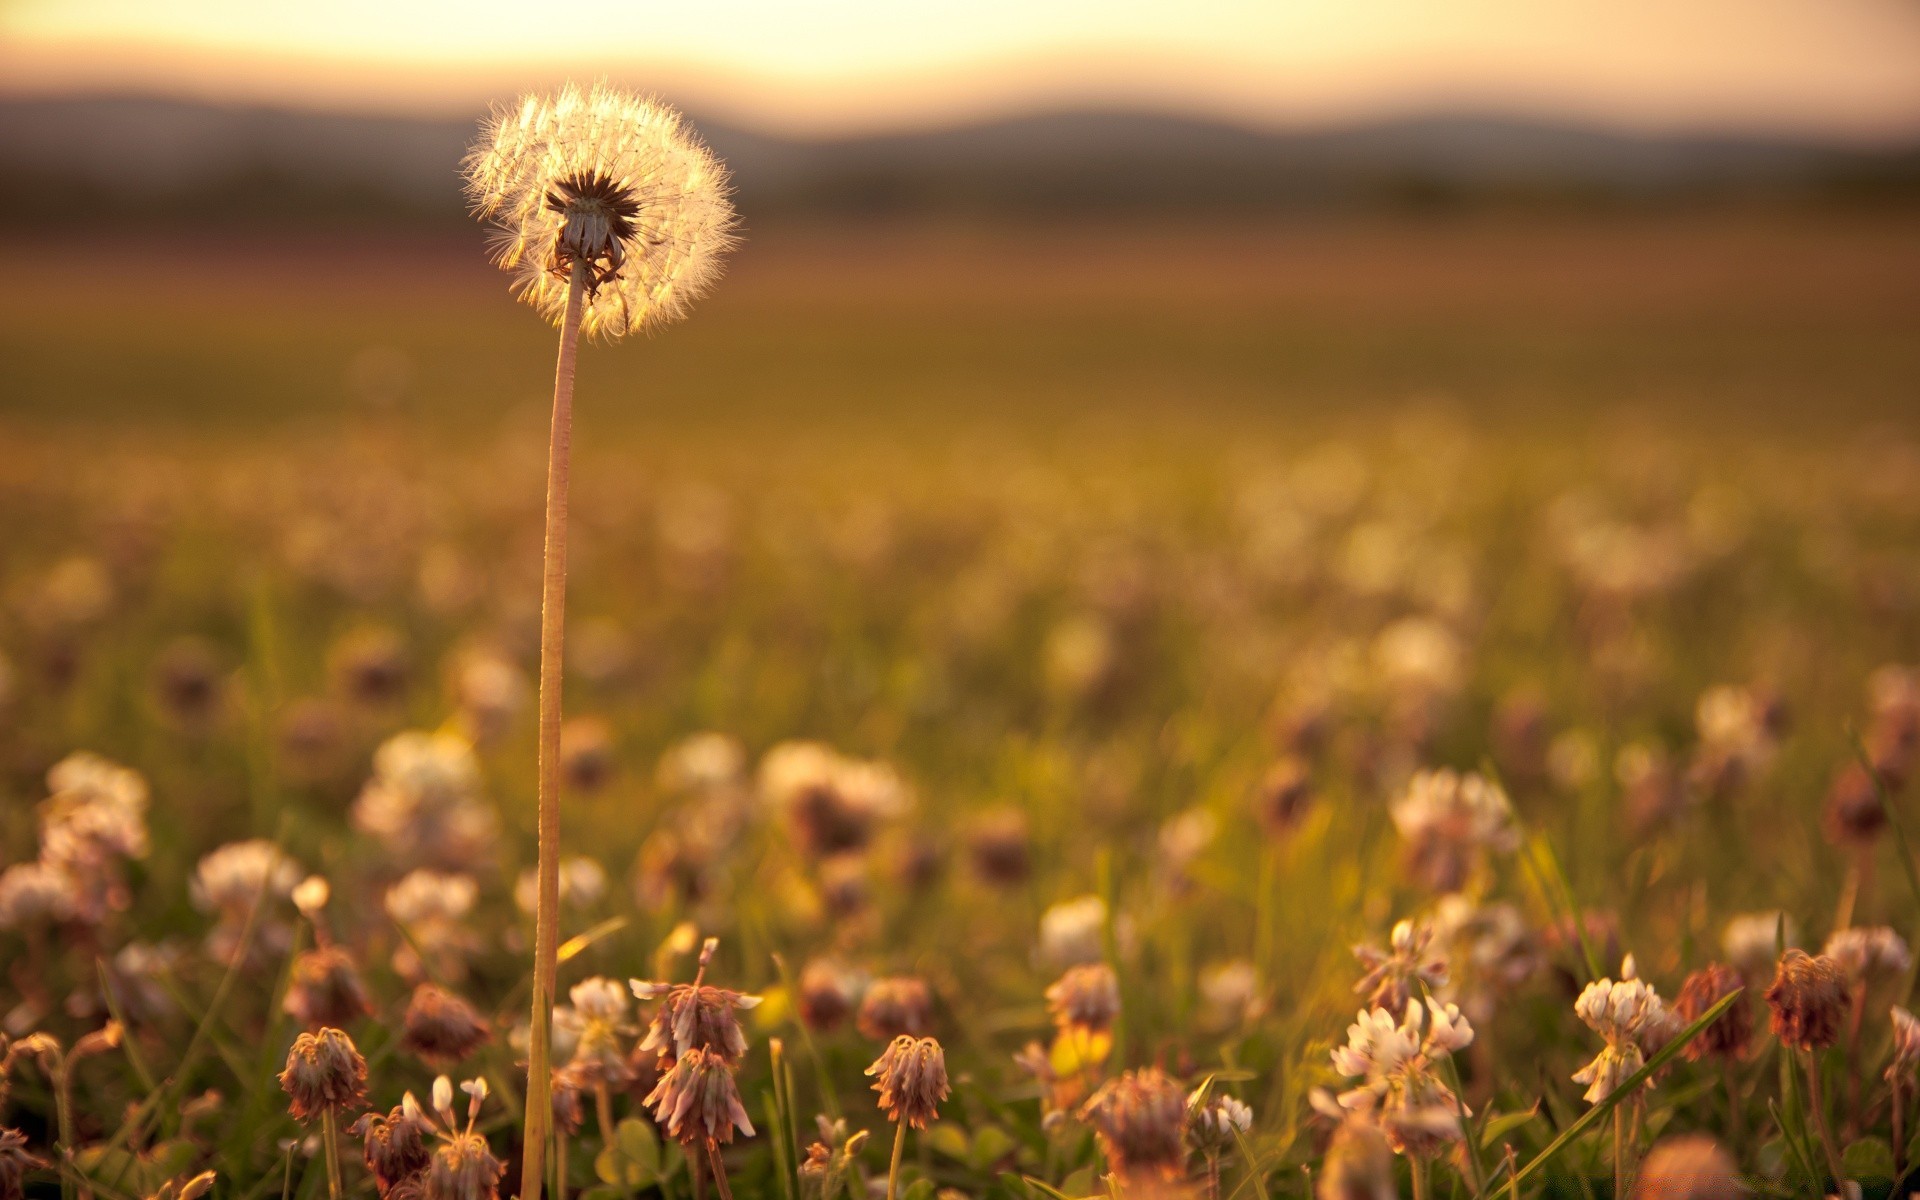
[1816,1101]
[553,601]
[893,1168]
[330,1146]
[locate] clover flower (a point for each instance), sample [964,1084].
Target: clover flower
[608,182]
[1215,1120]
[324,988]
[231,883]
[694,1016]
[1690,1166]
[1729,1034]
[1393,975]
[463,1166]
[1395,1058]
[1869,955]
[698,1101]
[911,1077]
[1073,932]
[95,814]
[433,908]
[395,1145]
[599,1055]
[583,881]
[423,803]
[1450,821]
[37,893]
[826,994]
[324,1072]
[440,1028]
[1141,1118]
[900,1004]
[1752,941]
[1808,997]
[1635,1022]
[1086,999]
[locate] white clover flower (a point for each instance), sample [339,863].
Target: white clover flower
[1230,993]
[702,762]
[1393,973]
[1906,1045]
[610,183]
[1751,941]
[1395,1060]
[1450,821]
[231,879]
[1635,1022]
[1871,954]
[36,893]
[1215,1119]
[423,803]
[95,814]
[583,881]
[425,897]
[599,999]
[1072,932]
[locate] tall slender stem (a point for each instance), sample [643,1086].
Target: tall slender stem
[893,1168]
[1417,1165]
[719,1170]
[1620,1150]
[553,606]
[1816,1100]
[330,1146]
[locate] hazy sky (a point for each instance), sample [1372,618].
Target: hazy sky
[1840,66]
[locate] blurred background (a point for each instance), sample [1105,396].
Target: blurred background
[998,211]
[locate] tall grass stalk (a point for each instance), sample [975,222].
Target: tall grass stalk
[553,604]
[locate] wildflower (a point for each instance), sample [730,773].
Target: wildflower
[490,690]
[602,1008]
[586,754]
[1141,1118]
[1808,997]
[1215,1119]
[1283,797]
[911,1077]
[1739,734]
[440,1028]
[1085,999]
[1230,994]
[235,880]
[831,802]
[1729,1035]
[1395,1059]
[1906,1044]
[370,666]
[698,1101]
[1359,1164]
[1752,941]
[1001,847]
[187,686]
[15,1162]
[324,988]
[569,1108]
[1074,932]
[900,1004]
[1690,1166]
[95,814]
[1853,815]
[1635,1022]
[37,893]
[583,881]
[609,184]
[324,1072]
[1393,973]
[464,1166]
[1869,955]
[433,909]
[1449,822]
[826,995]
[694,1016]
[700,763]
[396,1144]
[423,803]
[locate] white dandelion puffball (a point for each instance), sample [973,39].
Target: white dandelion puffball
[608,183]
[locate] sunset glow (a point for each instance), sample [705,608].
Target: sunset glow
[1843,68]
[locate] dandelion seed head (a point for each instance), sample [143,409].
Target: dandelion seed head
[612,183]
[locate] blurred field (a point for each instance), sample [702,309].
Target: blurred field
[1088,535]
[1789,321]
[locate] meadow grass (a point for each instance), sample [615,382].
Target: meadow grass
[1099,551]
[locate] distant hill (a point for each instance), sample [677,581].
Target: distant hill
[179,159]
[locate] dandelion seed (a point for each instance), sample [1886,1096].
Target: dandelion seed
[612,183]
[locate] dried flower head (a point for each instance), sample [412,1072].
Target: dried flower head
[1808,997]
[1395,1058]
[324,1071]
[698,1101]
[1729,1035]
[611,183]
[440,1028]
[826,994]
[1001,847]
[1086,998]
[1753,941]
[1853,815]
[1141,1118]
[1393,975]
[396,1144]
[464,1168]
[694,1016]
[324,988]
[1284,796]
[1691,1166]
[15,1162]
[899,1004]
[911,1077]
